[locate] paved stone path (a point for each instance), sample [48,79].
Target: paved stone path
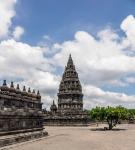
[83,138]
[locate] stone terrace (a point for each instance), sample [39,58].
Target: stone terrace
[83,138]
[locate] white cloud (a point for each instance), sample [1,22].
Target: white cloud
[100,60]
[27,65]
[7,12]
[18,32]
[128,26]
[130,80]
[21,62]
[103,59]
[46,37]
[97,97]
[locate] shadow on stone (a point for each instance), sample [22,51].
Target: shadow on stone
[106,129]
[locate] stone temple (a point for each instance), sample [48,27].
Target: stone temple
[70,97]
[21,116]
[70,100]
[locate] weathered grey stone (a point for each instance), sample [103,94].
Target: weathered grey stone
[70,101]
[20,113]
[17,138]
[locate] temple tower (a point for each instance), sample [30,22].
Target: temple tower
[70,97]
[53,108]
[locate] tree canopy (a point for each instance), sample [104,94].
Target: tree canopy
[112,115]
[131,115]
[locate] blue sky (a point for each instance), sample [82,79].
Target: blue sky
[60,19]
[37,36]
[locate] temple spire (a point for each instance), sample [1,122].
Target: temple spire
[70,61]
[24,89]
[18,88]
[29,91]
[71,87]
[4,83]
[12,84]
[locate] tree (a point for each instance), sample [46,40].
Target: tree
[112,115]
[131,116]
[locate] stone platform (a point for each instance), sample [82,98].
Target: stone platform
[83,138]
[67,120]
[21,136]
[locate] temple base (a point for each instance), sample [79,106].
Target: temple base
[66,121]
[80,118]
[19,137]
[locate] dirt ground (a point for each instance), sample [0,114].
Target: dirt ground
[83,138]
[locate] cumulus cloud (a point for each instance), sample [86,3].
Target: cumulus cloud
[130,80]
[103,59]
[18,32]
[7,12]
[21,55]
[128,26]
[21,62]
[95,96]
[27,65]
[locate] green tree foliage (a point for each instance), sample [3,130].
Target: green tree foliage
[112,115]
[131,115]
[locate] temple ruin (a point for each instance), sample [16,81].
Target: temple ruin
[21,116]
[70,100]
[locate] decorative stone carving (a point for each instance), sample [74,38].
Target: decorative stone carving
[20,112]
[71,87]
[70,100]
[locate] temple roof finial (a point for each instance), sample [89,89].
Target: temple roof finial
[4,82]
[70,61]
[24,89]
[12,84]
[29,91]
[38,93]
[33,91]
[18,88]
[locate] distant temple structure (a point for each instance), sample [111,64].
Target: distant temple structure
[70,100]
[20,113]
[70,97]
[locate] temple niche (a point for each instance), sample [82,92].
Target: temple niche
[20,113]
[70,100]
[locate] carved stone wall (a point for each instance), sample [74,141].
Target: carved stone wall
[19,109]
[70,101]
[70,97]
